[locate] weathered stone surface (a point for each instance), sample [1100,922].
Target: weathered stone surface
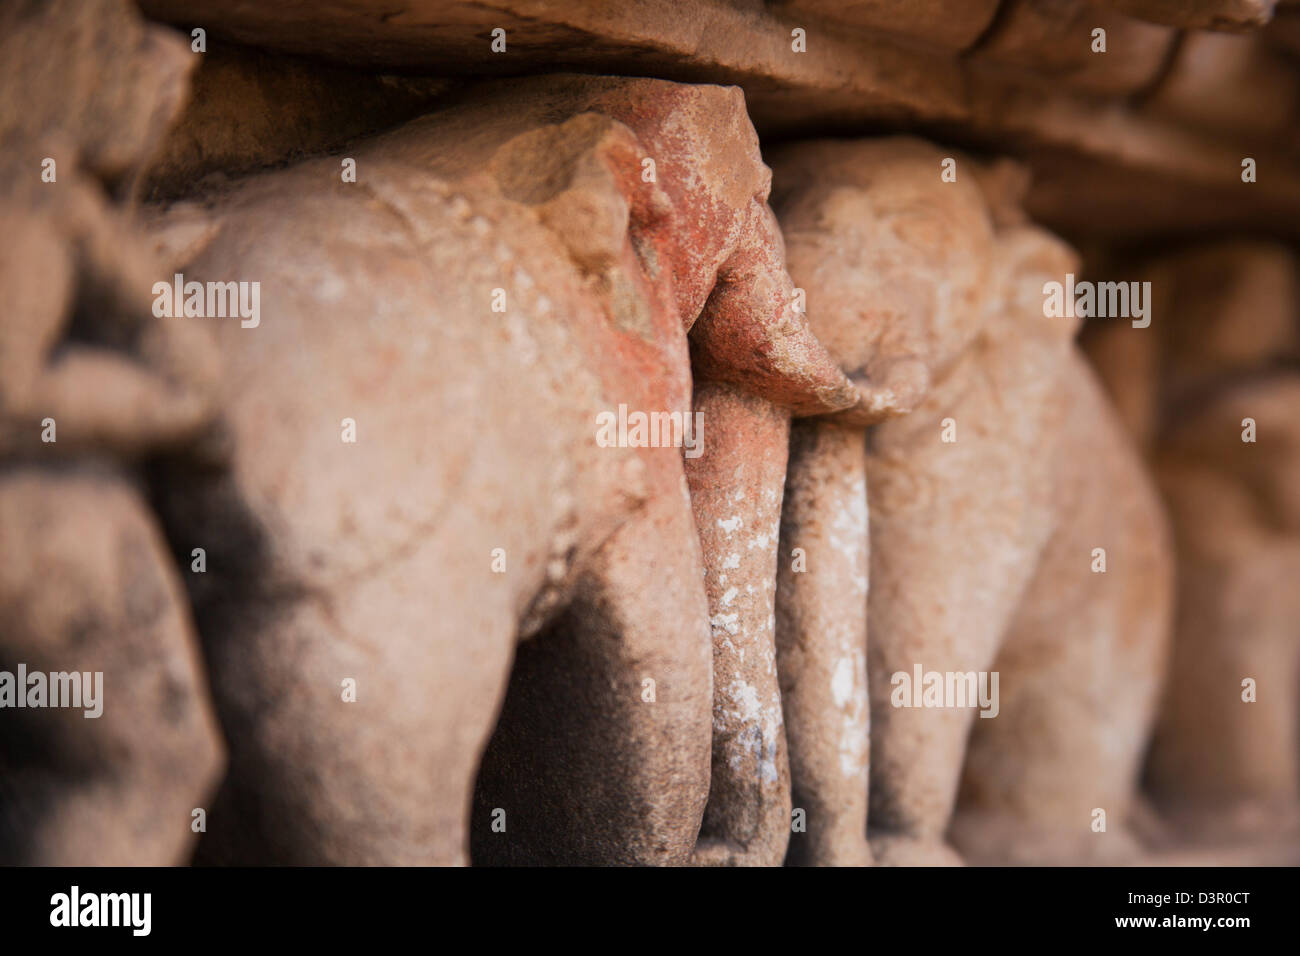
[1218,353]
[87,82]
[953,26]
[82,345]
[87,587]
[736,491]
[1222,767]
[1055,40]
[751,334]
[1225,310]
[249,110]
[449,610]
[821,631]
[91,381]
[1230,85]
[537,191]
[903,307]
[973,539]
[713,40]
[1082,664]
[1021,78]
[1229,15]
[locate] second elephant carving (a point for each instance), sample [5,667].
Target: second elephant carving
[993,468]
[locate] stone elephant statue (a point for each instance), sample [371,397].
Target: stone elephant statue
[430,499]
[950,521]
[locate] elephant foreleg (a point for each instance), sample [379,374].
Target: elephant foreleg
[736,489]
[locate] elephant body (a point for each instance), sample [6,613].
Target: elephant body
[412,560]
[992,469]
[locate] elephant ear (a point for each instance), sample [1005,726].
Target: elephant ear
[1026,258]
[581,177]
